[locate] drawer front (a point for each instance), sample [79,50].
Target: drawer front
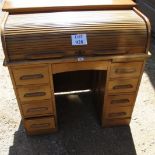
[116,122]
[34,93]
[37,108]
[39,125]
[122,85]
[120,112]
[131,69]
[120,100]
[31,75]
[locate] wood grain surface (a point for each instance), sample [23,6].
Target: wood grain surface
[48,35]
[40,125]
[20,6]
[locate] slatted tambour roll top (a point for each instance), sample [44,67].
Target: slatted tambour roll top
[53,35]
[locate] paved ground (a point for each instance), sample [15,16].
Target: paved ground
[79,131]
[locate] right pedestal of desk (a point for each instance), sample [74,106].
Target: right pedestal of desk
[123,80]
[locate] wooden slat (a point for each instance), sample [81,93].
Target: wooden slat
[48,35]
[16,6]
[148,26]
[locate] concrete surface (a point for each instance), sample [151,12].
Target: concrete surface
[79,130]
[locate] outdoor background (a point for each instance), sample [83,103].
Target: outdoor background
[79,132]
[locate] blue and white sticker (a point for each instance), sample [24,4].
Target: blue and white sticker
[80,59]
[79,39]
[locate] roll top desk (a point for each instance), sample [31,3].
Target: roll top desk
[109,41]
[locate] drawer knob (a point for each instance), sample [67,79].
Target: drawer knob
[119,114]
[36,94]
[124,101]
[123,86]
[125,71]
[37,109]
[43,125]
[29,77]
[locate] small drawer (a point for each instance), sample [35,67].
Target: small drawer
[120,112]
[122,85]
[31,75]
[120,100]
[34,93]
[116,122]
[39,125]
[131,69]
[37,108]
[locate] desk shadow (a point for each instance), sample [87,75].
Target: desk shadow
[150,64]
[79,133]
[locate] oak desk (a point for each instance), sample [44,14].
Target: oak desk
[109,47]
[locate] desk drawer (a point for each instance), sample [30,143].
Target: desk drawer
[116,122]
[30,93]
[37,108]
[39,125]
[120,112]
[31,75]
[131,69]
[122,85]
[120,100]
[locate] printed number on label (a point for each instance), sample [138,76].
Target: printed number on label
[79,39]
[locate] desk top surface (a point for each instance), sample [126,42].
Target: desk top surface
[19,6]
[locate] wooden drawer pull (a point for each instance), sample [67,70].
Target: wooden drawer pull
[125,71]
[29,77]
[117,114]
[46,55]
[37,109]
[124,101]
[36,94]
[123,86]
[43,125]
[108,52]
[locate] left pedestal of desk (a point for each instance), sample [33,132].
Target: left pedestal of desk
[33,86]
